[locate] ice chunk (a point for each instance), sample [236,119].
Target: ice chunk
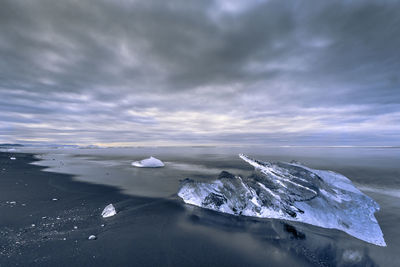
[13,158]
[352,256]
[148,163]
[108,211]
[92,237]
[290,191]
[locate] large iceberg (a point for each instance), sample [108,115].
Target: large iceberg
[148,163]
[293,192]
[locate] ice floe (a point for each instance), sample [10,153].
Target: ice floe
[148,163]
[293,192]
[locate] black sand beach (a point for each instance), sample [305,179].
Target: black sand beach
[38,230]
[46,219]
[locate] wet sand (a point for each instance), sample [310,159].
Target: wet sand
[37,230]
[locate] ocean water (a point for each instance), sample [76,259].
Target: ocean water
[375,171]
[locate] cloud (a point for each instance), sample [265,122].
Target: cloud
[268,72]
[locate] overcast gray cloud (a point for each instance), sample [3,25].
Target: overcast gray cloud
[200,72]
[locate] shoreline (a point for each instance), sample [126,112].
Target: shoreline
[36,230]
[39,231]
[42,209]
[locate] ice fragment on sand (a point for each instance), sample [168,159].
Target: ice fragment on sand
[290,191]
[108,211]
[352,256]
[148,163]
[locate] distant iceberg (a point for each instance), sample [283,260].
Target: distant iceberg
[148,163]
[293,192]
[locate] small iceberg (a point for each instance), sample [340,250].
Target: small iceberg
[290,191]
[109,211]
[148,163]
[92,237]
[13,158]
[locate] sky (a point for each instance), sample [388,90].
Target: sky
[180,72]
